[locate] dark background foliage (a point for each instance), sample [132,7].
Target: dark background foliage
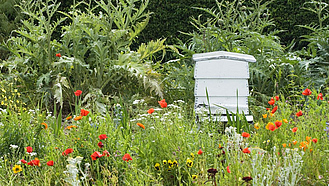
[171,17]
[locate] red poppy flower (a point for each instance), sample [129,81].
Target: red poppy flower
[277,98]
[200,152]
[35,162]
[294,129]
[150,111]
[106,153]
[268,109]
[58,55]
[315,140]
[29,149]
[126,157]
[163,103]
[84,112]
[274,109]
[50,163]
[246,150]
[271,127]
[67,151]
[245,134]
[278,124]
[100,144]
[271,102]
[96,155]
[307,92]
[23,161]
[228,169]
[320,96]
[78,92]
[299,113]
[141,125]
[102,136]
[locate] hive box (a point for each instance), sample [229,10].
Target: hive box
[223,74]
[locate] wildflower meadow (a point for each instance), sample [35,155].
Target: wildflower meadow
[81,104]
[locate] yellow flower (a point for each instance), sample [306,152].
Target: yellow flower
[170,164]
[256,125]
[264,116]
[175,163]
[157,166]
[164,162]
[192,156]
[189,163]
[194,176]
[17,169]
[271,115]
[285,120]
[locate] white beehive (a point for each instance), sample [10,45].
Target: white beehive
[223,74]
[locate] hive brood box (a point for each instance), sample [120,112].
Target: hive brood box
[222,74]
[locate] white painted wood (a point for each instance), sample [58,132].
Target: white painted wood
[221,87]
[222,74]
[223,55]
[221,68]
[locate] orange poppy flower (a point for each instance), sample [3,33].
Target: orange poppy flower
[294,129]
[69,117]
[45,124]
[246,150]
[245,134]
[264,116]
[71,126]
[307,92]
[77,118]
[300,113]
[308,139]
[141,125]
[163,103]
[294,142]
[271,102]
[285,120]
[284,145]
[150,111]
